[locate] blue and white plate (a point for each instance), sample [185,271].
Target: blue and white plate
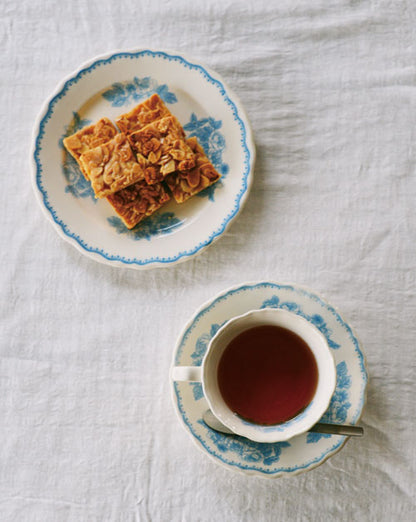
[304,452]
[111,85]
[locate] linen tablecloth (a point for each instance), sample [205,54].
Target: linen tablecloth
[88,432]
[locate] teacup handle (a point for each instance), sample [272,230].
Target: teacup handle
[187,373]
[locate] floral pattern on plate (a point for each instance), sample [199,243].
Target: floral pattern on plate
[159,223]
[124,93]
[113,83]
[303,452]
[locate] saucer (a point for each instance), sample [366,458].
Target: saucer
[303,452]
[113,84]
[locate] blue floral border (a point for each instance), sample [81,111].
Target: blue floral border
[327,307]
[132,56]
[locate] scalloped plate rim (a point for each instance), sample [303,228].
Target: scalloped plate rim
[234,467]
[135,263]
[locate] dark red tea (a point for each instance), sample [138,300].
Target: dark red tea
[267,374]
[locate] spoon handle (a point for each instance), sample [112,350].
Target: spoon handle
[338,429]
[321,427]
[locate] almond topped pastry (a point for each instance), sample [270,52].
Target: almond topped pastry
[88,138]
[185,184]
[138,201]
[112,166]
[163,144]
[146,112]
[128,168]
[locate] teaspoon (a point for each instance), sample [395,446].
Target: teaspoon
[332,429]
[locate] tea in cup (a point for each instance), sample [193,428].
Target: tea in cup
[267,375]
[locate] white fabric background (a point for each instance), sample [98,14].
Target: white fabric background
[87,429]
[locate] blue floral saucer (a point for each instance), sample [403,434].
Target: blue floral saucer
[109,86]
[304,452]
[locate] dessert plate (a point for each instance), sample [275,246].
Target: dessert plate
[111,85]
[303,452]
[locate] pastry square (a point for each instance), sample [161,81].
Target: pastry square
[112,166]
[163,144]
[138,201]
[146,112]
[185,184]
[88,138]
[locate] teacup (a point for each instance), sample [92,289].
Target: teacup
[226,341]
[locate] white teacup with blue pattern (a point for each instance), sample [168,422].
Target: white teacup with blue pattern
[207,374]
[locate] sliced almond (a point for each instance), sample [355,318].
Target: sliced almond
[168,167]
[193,178]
